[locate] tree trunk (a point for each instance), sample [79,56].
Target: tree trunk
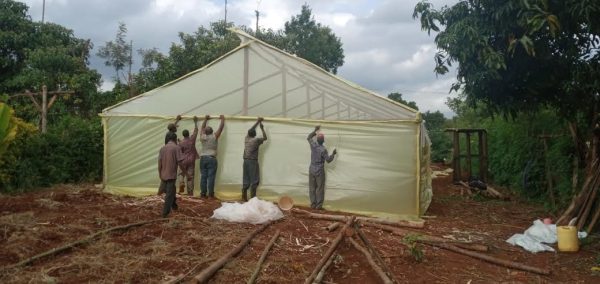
[44,109]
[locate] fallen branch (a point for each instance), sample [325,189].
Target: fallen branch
[321,274]
[429,238]
[329,252]
[344,218]
[208,272]
[262,258]
[372,262]
[80,242]
[491,259]
[374,252]
[180,277]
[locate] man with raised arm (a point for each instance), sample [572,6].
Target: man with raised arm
[172,128]
[208,156]
[190,154]
[251,170]
[316,171]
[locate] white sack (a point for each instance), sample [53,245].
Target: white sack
[537,236]
[255,211]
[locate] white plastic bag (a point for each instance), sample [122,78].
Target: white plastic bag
[255,211]
[537,236]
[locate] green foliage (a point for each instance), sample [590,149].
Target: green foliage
[71,151]
[312,41]
[395,96]
[8,129]
[117,54]
[441,144]
[415,249]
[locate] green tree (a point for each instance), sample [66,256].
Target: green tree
[398,98]
[117,53]
[441,144]
[312,41]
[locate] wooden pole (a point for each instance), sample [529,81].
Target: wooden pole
[344,218]
[44,109]
[491,259]
[374,252]
[429,238]
[246,79]
[484,163]
[208,272]
[321,274]
[329,252]
[456,175]
[262,258]
[384,278]
[333,226]
[80,242]
[469,166]
[579,198]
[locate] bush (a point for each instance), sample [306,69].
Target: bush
[71,151]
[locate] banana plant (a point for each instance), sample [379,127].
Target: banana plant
[8,131]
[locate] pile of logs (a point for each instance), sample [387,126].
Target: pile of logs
[352,227]
[585,206]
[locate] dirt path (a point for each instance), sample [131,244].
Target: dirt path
[34,222]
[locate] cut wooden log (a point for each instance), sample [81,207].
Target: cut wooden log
[262,258]
[588,203]
[329,252]
[594,220]
[491,259]
[344,218]
[81,242]
[321,274]
[208,272]
[374,252]
[384,278]
[333,226]
[580,198]
[179,278]
[429,238]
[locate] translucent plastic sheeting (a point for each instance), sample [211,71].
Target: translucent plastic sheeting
[257,79]
[374,173]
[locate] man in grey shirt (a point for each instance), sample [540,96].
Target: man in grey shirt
[316,171]
[169,158]
[208,156]
[251,171]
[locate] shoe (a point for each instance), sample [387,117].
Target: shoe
[203,196]
[175,208]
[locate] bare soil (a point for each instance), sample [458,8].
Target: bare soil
[34,222]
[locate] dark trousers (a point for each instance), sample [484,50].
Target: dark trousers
[208,172]
[316,190]
[251,173]
[170,198]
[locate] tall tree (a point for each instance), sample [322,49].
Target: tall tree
[117,53]
[520,56]
[398,98]
[313,41]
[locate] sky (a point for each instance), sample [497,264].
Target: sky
[384,47]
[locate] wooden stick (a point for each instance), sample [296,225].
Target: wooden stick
[208,272]
[374,252]
[374,265]
[344,218]
[262,258]
[579,198]
[180,277]
[333,226]
[590,200]
[491,259]
[321,274]
[594,219]
[81,241]
[429,238]
[329,252]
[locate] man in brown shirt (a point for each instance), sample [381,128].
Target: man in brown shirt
[251,171]
[190,154]
[169,158]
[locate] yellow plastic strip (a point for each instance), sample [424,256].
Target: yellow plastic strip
[418,213]
[105,162]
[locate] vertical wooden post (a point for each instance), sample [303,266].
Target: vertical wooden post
[283,92]
[548,173]
[480,150]
[456,177]
[469,169]
[484,165]
[246,75]
[44,108]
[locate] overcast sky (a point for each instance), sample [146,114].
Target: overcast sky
[385,49]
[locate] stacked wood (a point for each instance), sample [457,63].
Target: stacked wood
[489,191]
[585,206]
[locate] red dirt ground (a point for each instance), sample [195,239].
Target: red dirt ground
[34,222]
